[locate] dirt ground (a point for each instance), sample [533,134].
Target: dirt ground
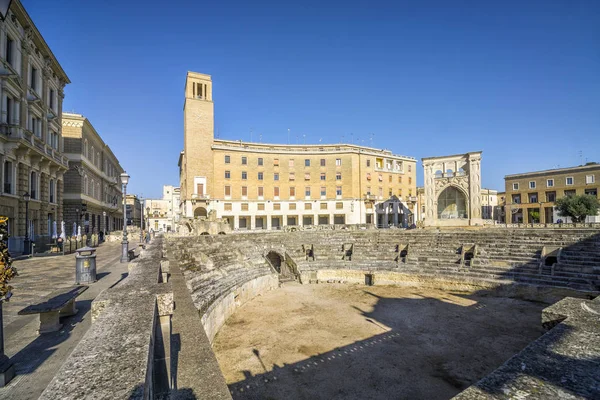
[333,341]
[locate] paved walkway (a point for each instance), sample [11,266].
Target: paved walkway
[38,357]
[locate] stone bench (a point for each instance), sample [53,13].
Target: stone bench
[60,303]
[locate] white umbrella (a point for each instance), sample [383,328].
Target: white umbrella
[54,234]
[79,233]
[62,231]
[74,229]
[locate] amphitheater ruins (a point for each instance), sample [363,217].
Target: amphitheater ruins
[349,313]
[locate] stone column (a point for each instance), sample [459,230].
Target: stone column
[475,189]
[59,199]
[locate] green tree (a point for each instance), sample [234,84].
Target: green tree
[535,216]
[577,207]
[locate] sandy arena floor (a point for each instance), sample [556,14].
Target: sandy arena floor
[334,341]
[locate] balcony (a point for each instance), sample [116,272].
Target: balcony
[200,196]
[412,198]
[370,197]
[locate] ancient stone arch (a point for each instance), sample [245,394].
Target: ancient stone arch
[457,176]
[200,212]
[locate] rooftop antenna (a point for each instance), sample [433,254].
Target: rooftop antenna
[260,138]
[288,135]
[250,135]
[581,157]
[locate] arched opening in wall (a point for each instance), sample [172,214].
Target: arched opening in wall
[204,234]
[439,173]
[449,172]
[221,233]
[460,172]
[452,204]
[275,260]
[200,212]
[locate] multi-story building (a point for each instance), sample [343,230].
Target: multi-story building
[530,196]
[163,214]
[31,145]
[133,210]
[93,198]
[264,186]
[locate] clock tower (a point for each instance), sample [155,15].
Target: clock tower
[196,162]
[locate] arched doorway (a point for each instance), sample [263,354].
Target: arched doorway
[275,260]
[200,212]
[452,204]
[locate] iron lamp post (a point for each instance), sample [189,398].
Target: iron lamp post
[124,243]
[141,219]
[26,241]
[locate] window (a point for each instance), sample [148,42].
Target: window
[569,192]
[276,206]
[368,163]
[390,193]
[592,192]
[33,79]
[380,192]
[339,206]
[307,163]
[244,190]
[276,162]
[51,99]
[399,179]
[323,206]
[8,177]
[33,185]
[227,207]
[261,191]
[276,176]
[244,160]
[292,206]
[291,163]
[292,176]
[533,197]
[338,190]
[338,176]
[227,159]
[244,206]
[260,176]
[9,51]
[227,191]
[227,174]
[51,189]
[323,191]
[261,206]
[516,198]
[322,162]
[292,191]
[531,184]
[409,168]
[307,191]
[390,179]
[244,175]
[550,183]
[551,197]
[260,161]
[323,176]
[307,177]
[515,186]
[308,206]
[590,179]
[338,162]
[409,180]
[276,191]
[9,110]
[569,180]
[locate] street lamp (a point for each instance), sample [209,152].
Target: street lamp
[26,241]
[124,243]
[141,220]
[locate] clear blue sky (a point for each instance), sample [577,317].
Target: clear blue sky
[519,80]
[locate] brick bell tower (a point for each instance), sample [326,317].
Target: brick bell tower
[197,159]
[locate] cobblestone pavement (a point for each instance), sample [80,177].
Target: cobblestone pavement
[38,357]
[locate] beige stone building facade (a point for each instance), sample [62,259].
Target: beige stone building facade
[31,146]
[490,206]
[268,186]
[133,209]
[92,197]
[163,214]
[530,193]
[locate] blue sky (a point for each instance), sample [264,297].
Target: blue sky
[519,80]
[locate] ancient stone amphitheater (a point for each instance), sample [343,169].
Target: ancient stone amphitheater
[169,351]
